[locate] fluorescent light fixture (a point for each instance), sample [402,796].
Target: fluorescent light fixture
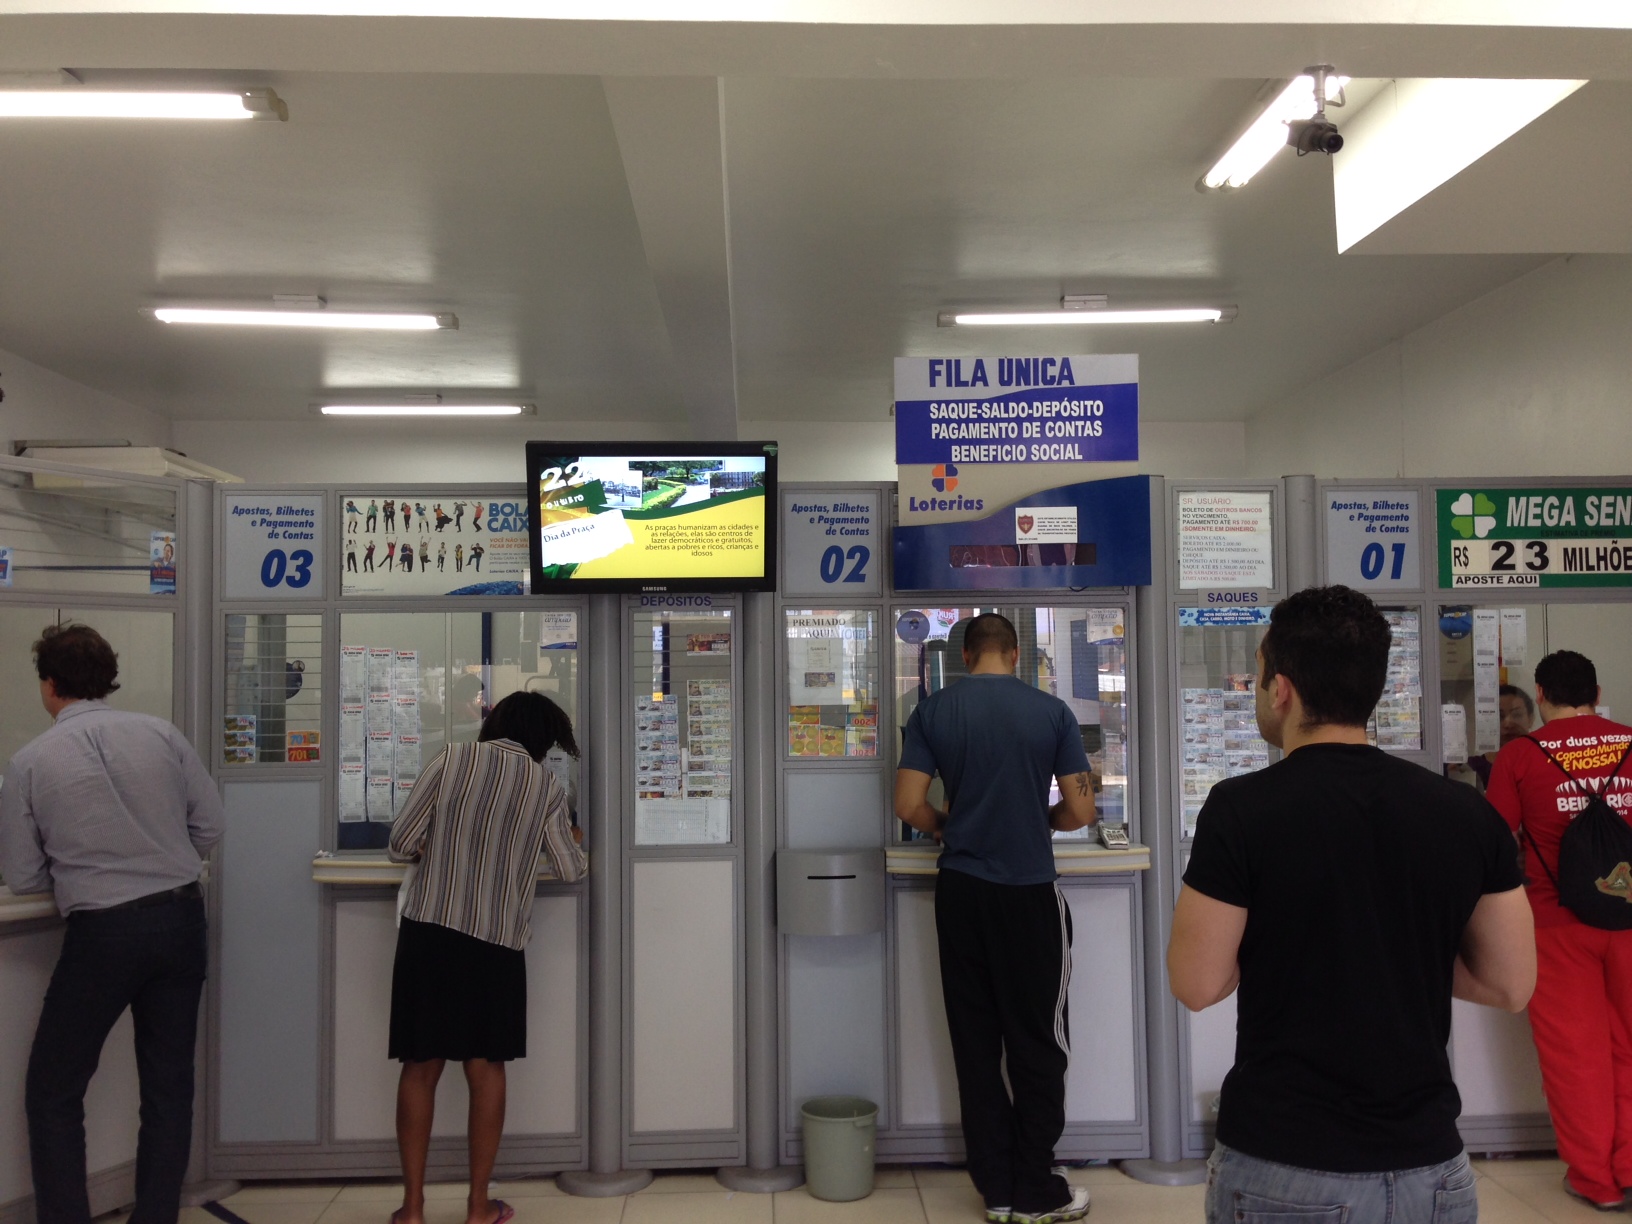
[425,410]
[344,319]
[1083,318]
[1267,135]
[76,103]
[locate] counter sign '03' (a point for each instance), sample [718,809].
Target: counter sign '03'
[1373,539]
[272,546]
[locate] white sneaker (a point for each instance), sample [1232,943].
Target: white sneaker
[1076,1209]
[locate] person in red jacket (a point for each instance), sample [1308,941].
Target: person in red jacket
[1581,1013]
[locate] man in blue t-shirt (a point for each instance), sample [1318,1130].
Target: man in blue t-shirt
[1004,930]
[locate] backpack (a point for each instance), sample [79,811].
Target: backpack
[1594,877]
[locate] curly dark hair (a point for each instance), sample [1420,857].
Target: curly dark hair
[77,660]
[1567,678]
[1332,644]
[531,720]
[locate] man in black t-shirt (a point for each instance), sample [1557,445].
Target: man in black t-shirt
[1350,895]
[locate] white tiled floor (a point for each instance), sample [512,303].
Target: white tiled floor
[1518,1191]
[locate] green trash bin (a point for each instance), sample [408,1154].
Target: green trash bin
[839,1135]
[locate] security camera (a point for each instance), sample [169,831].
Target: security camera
[1317,135]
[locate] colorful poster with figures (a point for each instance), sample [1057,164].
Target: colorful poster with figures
[1534,537]
[433,544]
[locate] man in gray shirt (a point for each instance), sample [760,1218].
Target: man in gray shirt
[114,812]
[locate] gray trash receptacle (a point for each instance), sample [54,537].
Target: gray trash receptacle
[839,1135]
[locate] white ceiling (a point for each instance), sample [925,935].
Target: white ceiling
[601,262]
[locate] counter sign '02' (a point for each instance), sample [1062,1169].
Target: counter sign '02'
[272,546]
[1557,537]
[830,542]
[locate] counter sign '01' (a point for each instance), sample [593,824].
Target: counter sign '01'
[1372,539]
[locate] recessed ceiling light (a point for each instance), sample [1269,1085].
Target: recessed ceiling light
[425,410]
[1083,318]
[76,103]
[1267,135]
[350,319]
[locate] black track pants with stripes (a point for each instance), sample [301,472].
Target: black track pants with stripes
[1005,968]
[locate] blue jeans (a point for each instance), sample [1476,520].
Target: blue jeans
[1242,1189]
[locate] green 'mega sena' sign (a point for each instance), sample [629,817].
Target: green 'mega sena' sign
[1535,537]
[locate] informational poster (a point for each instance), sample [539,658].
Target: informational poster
[1535,537]
[830,542]
[161,563]
[1225,540]
[271,545]
[5,567]
[1396,724]
[433,545]
[353,792]
[558,631]
[1487,660]
[1373,539]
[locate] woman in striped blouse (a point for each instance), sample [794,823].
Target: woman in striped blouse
[477,821]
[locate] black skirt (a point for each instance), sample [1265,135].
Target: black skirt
[456,997]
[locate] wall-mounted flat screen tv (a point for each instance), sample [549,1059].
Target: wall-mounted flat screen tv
[652,516]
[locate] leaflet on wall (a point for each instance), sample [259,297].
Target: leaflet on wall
[1225,540]
[430,545]
[1453,733]
[1218,739]
[5,567]
[353,673]
[353,794]
[1487,659]
[352,726]
[380,801]
[161,564]
[238,739]
[558,631]
[1515,637]
[1396,724]
[381,661]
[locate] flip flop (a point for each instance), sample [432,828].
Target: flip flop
[506,1212]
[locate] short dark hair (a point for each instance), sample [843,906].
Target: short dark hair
[77,660]
[1567,678]
[1513,690]
[988,632]
[1332,644]
[531,720]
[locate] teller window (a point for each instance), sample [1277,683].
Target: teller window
[413,682]
[683,709]
[1076,654]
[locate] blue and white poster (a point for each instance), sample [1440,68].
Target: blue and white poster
[1090,534]
[979,410]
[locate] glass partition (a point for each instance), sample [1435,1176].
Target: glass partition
[144,642]
[413,682]
[832,682]
[1077,654]
[1487,660]
[273,708]
[65,533]
[1217,706]
[683,703]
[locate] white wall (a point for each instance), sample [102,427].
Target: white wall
[332,451]
[41,404]
[1533,378]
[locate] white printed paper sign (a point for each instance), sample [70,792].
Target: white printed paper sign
[1225,539]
